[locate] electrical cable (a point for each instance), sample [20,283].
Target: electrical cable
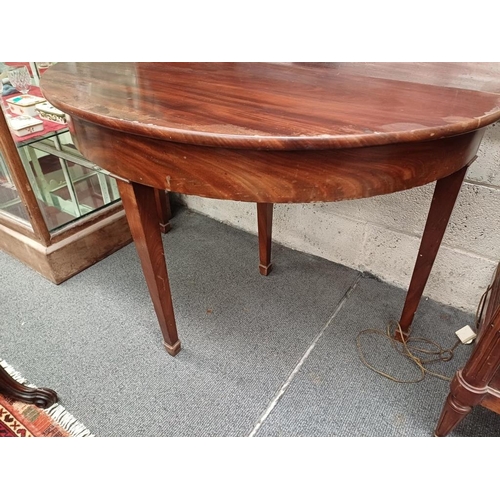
[439,354]
[404,348]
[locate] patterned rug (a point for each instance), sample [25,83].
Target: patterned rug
[19,419]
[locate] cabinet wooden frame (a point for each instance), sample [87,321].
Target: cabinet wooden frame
[60,254]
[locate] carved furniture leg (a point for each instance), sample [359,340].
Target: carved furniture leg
[40,397]
[458,405]
[443,201]
[265,227]
[163,208]
[470,386]
[140,207]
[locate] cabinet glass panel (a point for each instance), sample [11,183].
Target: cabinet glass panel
[10,203]
[66,185]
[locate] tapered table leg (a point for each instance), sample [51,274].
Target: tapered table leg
[265,229]
[163,208]
[140,207]
[443,201]
[41,397]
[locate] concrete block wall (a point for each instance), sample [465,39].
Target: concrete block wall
[381,234]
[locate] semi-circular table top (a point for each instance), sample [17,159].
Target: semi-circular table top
[280,106]
[276,133]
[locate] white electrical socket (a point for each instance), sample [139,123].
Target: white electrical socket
[466,334]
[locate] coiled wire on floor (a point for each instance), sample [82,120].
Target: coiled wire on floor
[409,347]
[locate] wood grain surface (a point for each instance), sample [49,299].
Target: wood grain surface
[266,176]
[278,106]
[276,133]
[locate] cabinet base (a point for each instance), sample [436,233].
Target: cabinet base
[69,255]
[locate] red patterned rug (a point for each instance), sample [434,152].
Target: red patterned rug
[19,419]
[25,420]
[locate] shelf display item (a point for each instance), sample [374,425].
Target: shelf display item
[49,112]
[24,104]
[25,125]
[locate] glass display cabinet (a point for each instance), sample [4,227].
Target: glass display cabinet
[59,213]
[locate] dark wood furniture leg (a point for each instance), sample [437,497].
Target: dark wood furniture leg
[163,208]
[140,207]
[459,403]
[443,201]
[478,383]
[41,397]
[265,229]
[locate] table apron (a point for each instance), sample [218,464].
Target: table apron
[267,176]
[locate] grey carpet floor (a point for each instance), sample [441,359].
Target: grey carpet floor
[263,356]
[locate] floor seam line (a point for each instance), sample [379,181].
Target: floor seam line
[298,366]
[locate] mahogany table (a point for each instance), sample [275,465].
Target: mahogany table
[276,133]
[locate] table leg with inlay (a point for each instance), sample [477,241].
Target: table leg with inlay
[163,208]
[265,227]
[443,201]
[139,203]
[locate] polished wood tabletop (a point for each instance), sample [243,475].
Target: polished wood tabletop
[276,133]
[275,106]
